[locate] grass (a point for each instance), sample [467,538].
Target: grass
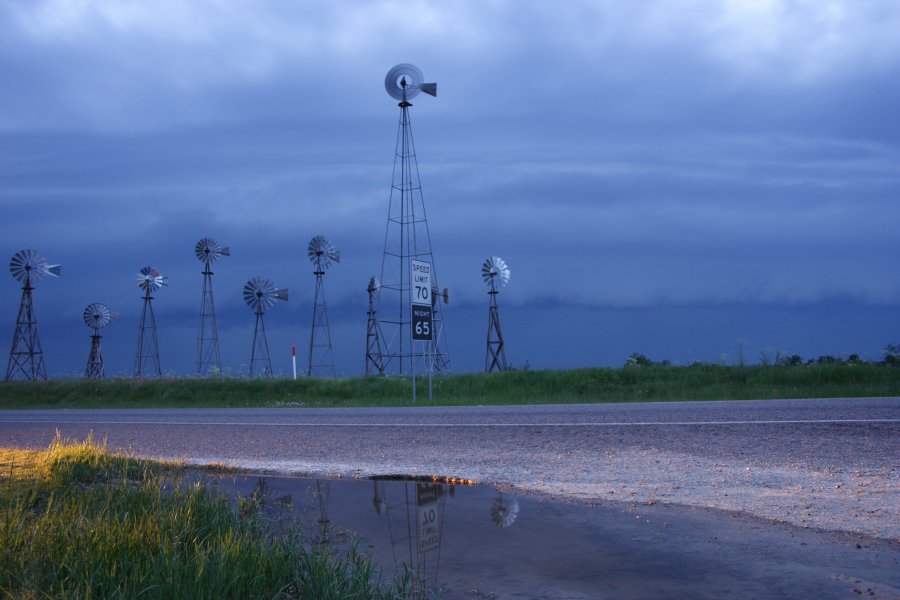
[77,522]
[627,384]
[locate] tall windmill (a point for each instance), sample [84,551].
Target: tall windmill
[374,360]
[147,356]
[208,251]
[406,238]
[496,275]
[96,316]
[260,294]
[321,253]
[26,357]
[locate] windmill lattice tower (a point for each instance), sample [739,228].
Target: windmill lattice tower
[321,253]
[96,316]
[374,359]
[147,355]
[26,357]
[208,251]
[495,273]
[260,294]
[407,237]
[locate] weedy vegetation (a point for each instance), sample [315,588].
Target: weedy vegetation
[640,380]
[78,522]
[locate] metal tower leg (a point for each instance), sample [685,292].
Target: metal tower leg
[26,358]
[260,362]
[147,355]
[495,358]
[406,237]
[321,359]
[94,368]
[208,362]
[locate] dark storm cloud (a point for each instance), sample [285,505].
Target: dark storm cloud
[620,156]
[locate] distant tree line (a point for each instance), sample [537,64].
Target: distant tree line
[891,358]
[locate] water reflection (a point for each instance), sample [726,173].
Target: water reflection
[504,509]
[414,516]
[403,530]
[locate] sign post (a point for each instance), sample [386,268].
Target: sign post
[421,324]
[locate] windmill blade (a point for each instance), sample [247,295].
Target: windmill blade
[150,279]
[495,272]
[406,81]
[209,251]
[260,294]
[28,264]
[322,251]
[98,315]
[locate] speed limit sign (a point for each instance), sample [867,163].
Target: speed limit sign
[422,323]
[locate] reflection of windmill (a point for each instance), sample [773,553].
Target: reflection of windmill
[406,238]
[415,520]
[96,316]
[321,253]
[208,251]
[26,358]
[149,279]
[504,509]
[260,294]
[374,359]
[496,275]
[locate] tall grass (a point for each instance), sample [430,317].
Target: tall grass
[76,522]
[627,384]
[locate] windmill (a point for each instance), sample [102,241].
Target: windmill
[149,279]
[208,251]
[406,237]
[26,358]
[321,253]
[374,360]
[260,294]
[96,316]
[496,275]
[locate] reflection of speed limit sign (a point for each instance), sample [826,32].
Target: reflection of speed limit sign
[422,325]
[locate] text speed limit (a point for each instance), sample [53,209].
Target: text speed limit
[422,323]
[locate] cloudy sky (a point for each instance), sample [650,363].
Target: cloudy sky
[683,179]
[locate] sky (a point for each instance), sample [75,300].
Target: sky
[694,180]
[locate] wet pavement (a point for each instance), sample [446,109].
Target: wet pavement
[480,542]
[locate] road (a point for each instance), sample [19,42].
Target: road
[828,463]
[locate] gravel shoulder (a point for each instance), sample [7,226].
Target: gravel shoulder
[828,464]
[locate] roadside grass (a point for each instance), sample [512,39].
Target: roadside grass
[626,384]
[78,522]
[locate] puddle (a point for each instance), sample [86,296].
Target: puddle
[479,542]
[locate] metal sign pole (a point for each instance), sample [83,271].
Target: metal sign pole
[414,375]
[430,369]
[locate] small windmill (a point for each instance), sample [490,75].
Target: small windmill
[26,357]
[374,359]
[260,294]
[96,316]
[496,275]
[149,279]
[321,253]
[208,251]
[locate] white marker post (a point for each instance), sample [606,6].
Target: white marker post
[421,326]
[294,360]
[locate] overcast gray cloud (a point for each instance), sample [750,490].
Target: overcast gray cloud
[734,166]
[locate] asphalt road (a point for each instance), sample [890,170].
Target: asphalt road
[825,463]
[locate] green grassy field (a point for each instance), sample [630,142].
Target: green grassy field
[76,522]
[627,384]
